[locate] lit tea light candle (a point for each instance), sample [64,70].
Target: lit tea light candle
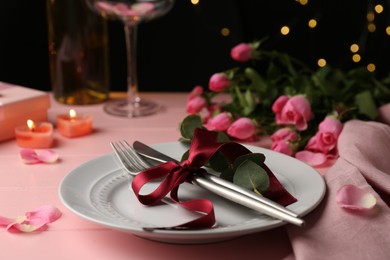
[72,125]
[34,135]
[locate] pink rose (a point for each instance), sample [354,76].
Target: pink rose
[204,114]
[207,112]
[220,122]
[242,129]
[284,134]
[195,101]
[325,140]
[195,105]
[281,141]
[218,82]
[283,147]
[195,92]
[241,52]
[331,127]
[292,111]
[323,145]
[279,103]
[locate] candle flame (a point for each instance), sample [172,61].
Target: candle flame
[72,113]
[30,124]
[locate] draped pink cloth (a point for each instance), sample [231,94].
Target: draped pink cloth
[335,233]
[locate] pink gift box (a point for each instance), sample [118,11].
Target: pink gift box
[17,104]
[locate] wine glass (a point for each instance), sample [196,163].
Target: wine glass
[131,13]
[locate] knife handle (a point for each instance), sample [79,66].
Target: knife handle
[251,194]
[244,200]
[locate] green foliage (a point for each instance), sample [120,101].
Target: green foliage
[246,170]
[251,176]
[255,85]
[187,127]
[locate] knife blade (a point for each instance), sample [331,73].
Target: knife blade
[230,190]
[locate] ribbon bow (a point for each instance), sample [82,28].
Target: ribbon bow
[203,146]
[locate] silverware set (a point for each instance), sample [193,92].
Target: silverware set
[137,158]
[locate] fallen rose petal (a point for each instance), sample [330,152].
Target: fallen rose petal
[22,224]
[5,221]
[312,159]
[48,156]
[27,228]
[47,213]
[30,156]
[35,220]
[352,197]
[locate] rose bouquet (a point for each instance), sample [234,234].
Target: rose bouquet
[273,94]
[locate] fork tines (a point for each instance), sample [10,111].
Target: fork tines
[128,156]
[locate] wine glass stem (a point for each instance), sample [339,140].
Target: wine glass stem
[131,50]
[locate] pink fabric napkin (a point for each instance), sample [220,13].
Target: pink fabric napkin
[336,233]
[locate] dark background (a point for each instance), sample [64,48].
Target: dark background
[185,47]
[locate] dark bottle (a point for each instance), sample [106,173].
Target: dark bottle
[78,51]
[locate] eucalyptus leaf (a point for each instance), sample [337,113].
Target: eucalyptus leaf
[227,174]
[218,162]
[189,124]
[185,156]
[251,176]
[222,137]
[257,158]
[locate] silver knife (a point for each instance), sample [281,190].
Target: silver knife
[235,192]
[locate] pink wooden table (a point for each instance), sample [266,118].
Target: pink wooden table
[25,187]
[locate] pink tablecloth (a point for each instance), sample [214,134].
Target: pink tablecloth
[332,233]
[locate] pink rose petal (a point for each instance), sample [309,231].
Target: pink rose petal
[30,156]
[28,227]
[35,220]
[5,221]
[47,213]
[48,156]
[352,197]
[312,159]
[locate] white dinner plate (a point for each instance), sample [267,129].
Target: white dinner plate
[99,191]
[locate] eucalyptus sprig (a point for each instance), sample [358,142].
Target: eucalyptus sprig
[246,171]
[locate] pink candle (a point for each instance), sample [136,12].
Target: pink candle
[73,126]
[34,135]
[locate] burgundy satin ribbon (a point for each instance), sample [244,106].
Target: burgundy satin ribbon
[204,145]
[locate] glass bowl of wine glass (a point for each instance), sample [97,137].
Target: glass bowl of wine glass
[131,13]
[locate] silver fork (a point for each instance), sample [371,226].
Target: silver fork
[134,164]
[129,158]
